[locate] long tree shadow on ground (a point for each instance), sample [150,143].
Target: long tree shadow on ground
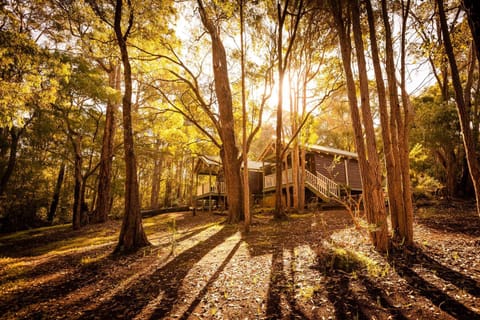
[165,281]
[55,289]
[404,263]
[455,220]
[460,280]
[376,293]
[208,285]
[341,269]
[79,276]
[277,238]
[346,304]
[282,283]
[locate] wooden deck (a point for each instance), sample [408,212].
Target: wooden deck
[321,185]
[214,189]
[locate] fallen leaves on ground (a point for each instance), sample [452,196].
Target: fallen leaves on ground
[312,266]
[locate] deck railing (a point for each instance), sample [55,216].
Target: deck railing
[269,180]
[214,188]
[319,182]
[322,184]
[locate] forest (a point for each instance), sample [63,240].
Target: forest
[207,159]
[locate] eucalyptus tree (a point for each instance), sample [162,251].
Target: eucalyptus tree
[78,105]
[120,17]
[363,128]
[202,89]
[313,77]
[472,9]
[86,36]
[292,18]
[429,45]
[396,125]
[463,105]
[226,124]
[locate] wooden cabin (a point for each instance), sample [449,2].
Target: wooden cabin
[328,173]
[210,182]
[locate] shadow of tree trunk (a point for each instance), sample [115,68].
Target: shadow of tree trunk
[167,280]
[403,265]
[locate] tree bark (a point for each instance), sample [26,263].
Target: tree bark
[378,210]
[295,152]
[103,201]
[301,180]
[288,197]
[450,173]
[168,184]
[282,61]
[77,198]
[370,189]
[246,186]
[462,109]
[393,188]
[56,194]
[472,8]
[404,134]
[156,179]
[132,235]
[229,150]
[12,158]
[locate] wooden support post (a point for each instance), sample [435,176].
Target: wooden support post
[210,189]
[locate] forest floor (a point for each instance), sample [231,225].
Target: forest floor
[313,266]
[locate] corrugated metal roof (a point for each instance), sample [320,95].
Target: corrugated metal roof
[217,161]
[332,151]
[211,160]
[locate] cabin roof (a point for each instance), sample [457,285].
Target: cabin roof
[212,164]
[331,150]
[211,160]
[269,151]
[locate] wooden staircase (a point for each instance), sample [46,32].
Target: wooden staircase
[322,186]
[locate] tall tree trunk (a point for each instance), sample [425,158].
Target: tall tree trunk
[229,150]
[132,235]
[378,210]
[372,207]
[168,184]
[84,217]
[301,180]
[402,220]
[407,229]
[472,8]
[393,188]
[303,151]
[396,177]
[77,193]
[296,167]
[12,158]
[56,194]
[450,173]
[246,186]
[279,211]
[462,107]
[156,179]
[295,153]
[179,175]
[102,207]
[283,62]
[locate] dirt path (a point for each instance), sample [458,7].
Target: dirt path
[314,266]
